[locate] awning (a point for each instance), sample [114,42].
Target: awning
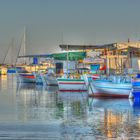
[72,56]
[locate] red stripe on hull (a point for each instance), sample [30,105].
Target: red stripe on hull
[102,95]
[70,90]
[72,83]
[28,76]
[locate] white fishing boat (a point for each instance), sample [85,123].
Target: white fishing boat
[51,79]
[69,84]
[48,79]
[111,88]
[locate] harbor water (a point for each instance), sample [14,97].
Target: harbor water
[34,112]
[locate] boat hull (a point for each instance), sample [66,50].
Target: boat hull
[71,84]
[108,89]
[46,80]
[136,88]
[51,81]
[27,78]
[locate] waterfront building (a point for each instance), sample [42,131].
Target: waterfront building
[119,57]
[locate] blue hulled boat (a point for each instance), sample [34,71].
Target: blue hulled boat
[136,87]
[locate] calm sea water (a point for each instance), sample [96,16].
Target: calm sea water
[29,111]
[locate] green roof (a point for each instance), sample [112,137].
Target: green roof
[72,56]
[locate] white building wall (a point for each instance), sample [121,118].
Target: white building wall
[136,63]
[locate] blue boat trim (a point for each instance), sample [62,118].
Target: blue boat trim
[113,88]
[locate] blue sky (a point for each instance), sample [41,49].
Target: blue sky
[83,22]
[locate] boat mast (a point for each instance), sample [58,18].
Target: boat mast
[9,50]
[3,62]
[67,59]
[20,45]
[12,51]
[24,47]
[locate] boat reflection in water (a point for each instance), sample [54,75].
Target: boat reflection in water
[74,104]
[3,82]
[31,96]
[75,114]
[136,107]
[116,118]
[41,112]
[35,103]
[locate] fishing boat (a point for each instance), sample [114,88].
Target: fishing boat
[24,76]
[117,88]
[51,80]
[136,87]
[69,84]
[48,78]
[11,70]
[72,82]
[27,78]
